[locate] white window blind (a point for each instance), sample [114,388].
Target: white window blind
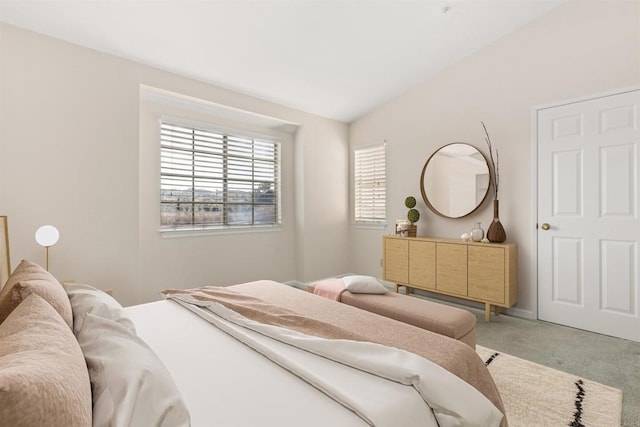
[370,184]
[211,179]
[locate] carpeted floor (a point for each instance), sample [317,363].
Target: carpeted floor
[611,361]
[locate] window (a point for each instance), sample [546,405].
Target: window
[214,179]
[370,184]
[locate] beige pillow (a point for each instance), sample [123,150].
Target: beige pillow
[43,375]
[30,278]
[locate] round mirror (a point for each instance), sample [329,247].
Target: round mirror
[455,180]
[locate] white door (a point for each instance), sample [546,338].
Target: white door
[588,197]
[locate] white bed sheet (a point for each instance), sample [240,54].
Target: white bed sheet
[225,383]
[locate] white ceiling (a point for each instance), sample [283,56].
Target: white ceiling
[337,59]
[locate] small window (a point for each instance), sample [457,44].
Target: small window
[211,179]
[370,184]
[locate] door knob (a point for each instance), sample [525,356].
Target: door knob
[546,226]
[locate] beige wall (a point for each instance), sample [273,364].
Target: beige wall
[73,154]
[582,48]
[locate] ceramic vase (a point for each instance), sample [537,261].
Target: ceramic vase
[496,233]
[477,233]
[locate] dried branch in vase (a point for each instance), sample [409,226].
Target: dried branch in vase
[494,169]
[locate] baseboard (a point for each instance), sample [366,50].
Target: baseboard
[524,314]
[463,303]
[296,284]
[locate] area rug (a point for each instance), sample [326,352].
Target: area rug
[535,395]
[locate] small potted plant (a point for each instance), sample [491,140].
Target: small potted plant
[413,215]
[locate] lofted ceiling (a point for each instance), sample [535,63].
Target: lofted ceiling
[337,59]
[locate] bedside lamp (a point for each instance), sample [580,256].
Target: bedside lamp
[47,236]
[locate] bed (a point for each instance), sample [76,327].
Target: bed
[189,372]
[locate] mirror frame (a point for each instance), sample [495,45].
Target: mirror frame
[424,193]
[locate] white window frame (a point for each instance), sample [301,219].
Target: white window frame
[369,183]
[225,227]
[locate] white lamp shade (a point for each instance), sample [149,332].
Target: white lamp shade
[47,235]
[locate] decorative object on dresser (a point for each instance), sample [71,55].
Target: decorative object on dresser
[477,233]
[402,227]
[455,180]
[413,215]
[496,231]
[481,272]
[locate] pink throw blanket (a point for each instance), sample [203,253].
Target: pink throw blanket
[329,288]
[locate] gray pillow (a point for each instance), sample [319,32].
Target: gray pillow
[130,384]
[87,299]
[364,285]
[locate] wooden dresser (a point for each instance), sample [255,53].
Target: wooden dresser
[482,272]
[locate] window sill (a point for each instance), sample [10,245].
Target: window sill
[370,225]
[212,231]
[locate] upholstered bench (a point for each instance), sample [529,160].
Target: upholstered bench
[442,319]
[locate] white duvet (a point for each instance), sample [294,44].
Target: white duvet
[384,386]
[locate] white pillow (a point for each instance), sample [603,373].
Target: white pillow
[364,285]
[130,385]
[87,299]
